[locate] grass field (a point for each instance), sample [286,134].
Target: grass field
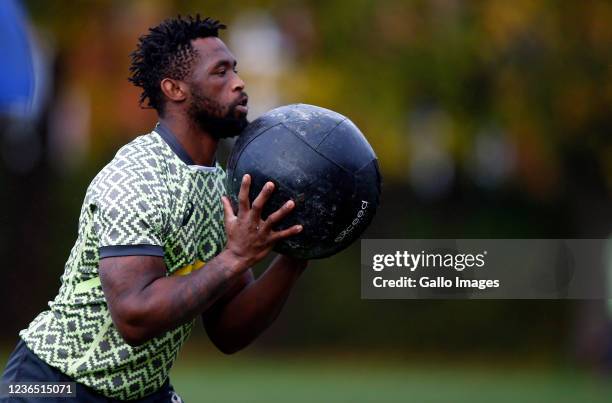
[244,378]
[249,379]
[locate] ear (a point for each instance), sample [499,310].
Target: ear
[175,90]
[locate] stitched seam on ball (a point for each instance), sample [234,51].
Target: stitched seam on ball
[315,150]
[329,132]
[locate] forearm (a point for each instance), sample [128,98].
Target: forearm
[168,302]
[249,313]
[144,303]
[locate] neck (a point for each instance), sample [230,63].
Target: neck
[199,144]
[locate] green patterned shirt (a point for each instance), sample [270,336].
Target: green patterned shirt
[149,200]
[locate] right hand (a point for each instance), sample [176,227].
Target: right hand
[249,238]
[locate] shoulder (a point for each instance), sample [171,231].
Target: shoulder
[144,152]
[137,166]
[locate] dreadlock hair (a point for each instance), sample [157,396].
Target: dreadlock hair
[166,51]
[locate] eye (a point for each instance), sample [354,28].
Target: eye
[221,73]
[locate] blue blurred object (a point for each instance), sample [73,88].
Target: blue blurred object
[17,70]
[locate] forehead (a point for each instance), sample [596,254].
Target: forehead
[212,50]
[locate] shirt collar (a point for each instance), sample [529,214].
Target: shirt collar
[173,143]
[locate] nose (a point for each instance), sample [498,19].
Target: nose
[238,84]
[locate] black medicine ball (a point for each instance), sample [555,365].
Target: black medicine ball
[319,159]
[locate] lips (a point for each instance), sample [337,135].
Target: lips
[242,105]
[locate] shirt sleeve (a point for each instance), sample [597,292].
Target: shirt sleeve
[127,217]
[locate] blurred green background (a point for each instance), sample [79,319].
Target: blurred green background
[491,119]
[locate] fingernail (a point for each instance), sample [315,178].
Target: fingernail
[299,228]
[290,204]
[270,185]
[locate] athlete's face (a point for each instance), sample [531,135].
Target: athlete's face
[217,101]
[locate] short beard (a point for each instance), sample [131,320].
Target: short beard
[207,114]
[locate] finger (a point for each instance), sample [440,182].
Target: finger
[243,195]
[228,211]
[261,199]
[279,214]
[286,233]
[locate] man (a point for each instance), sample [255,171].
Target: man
[158,245]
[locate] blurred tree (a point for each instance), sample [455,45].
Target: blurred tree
[490,118]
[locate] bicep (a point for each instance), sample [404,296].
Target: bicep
[123,278]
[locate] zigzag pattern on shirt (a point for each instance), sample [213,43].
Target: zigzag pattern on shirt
[146,195]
